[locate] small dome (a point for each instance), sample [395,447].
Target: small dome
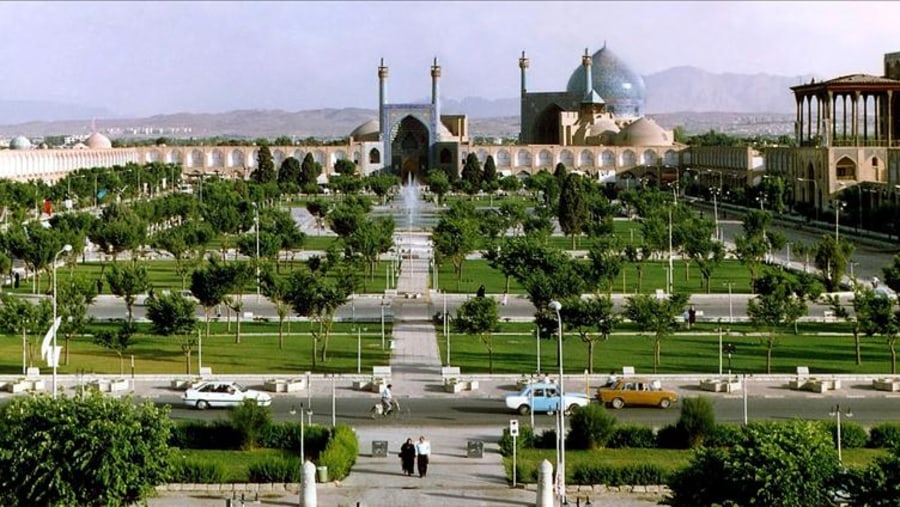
[98,141]
[368,131]
[644,132]
[79,146]
[620,87]
[20,143]
[603,126]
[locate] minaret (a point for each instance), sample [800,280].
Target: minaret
[435,97]
[523,65]
[382,78]
[586,63]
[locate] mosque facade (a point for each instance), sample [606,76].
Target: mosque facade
[846,128]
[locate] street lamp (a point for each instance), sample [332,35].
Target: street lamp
[715,194]
[836,412]
[838,206]
[561,409]
[730,306]
[256,227]
[670,277]
[308,413]
[54,353]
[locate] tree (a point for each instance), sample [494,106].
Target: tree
[73,299]
[510,184]
[95,450]
[209,286]
[289,175]
[878,485]
[127,282]
[471,175]
[656,316]
[880,318]
[514,214]
[36,246]
[318,293]
[892,274]
[455,236]
[593,319]
[18,316]
[171,314]
[753,246]
[381,184]
[265,165]
[116,230]
[831,259]
[319,209]
[785,463]
[572,211]
[373,238]
[606,262]
[697,420]
[777,304]
[185,243]
[438,184]
[117,341]
[479,317]
[309,171]
[275,289]
[591,428]
[489,178]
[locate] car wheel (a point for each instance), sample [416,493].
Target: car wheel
[618,403]
[573,408]
[524,410]
[665,403]
[202,405]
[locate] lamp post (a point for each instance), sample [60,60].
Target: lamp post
[729,283]
[670,277]
[561,410]
[715,193]
[836,412]
[537,343]
[256,227]
[54,355]
[838,206]
[308,413]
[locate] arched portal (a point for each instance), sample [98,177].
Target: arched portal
[409,149]
[547,126]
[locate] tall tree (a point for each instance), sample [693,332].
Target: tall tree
[471,176]
[593,319]
[489,178]
[479,317]
[127,282]
[275,289]
[265,165]
[656,316]
[880,318]
[74,297]
[309,172]
[438,184]
[573,210]
[18,316]
[209,285]
[832,258]
[117,340]
[777,304]
[455,236]
[289,175]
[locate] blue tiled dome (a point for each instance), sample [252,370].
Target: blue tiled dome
[621,88]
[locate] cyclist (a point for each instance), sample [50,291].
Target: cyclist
[387,399]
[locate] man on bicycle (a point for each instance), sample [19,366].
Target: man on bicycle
[387,399]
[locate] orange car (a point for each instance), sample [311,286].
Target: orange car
[636,391]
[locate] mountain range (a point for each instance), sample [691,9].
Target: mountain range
[707,100]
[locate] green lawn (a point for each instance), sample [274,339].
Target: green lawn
[477,271]
[235,464]
[684,353]
[257,352]
[667,459]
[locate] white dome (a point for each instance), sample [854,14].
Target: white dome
[644,132]
[20,143]
[98,141]
[368,131]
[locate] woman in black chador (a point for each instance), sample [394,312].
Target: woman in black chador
[408,457]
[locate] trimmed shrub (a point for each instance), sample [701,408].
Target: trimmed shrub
[251,421]
[852,434]
[697,421]
[276,470]
[632,436]
[590,428]
[196,472]
[885,436]
[525,440]
[340,453]
[632,475]
[546,440]
[671,437]
[205,435]
[725,435]
[286,436]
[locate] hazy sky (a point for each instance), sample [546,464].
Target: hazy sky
[146,58]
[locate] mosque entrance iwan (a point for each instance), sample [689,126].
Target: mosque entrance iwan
[409,149]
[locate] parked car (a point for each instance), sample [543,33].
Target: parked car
[544,397]
[636,391]
[222,394]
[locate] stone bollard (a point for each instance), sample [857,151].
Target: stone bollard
[545,485]
[308,485]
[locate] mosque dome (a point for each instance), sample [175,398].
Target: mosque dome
[644,132]
[621,87]
[603,131]
[98,141]
[20,143]
[368,131]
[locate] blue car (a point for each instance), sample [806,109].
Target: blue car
[544,397]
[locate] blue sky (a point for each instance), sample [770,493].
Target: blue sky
[147,58]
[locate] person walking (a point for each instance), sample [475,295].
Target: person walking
[408,457]
[423,451]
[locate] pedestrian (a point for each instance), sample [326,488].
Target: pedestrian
[408,457]
[99,286]
[423,451]
[480,292]
[612,379]
[692,316]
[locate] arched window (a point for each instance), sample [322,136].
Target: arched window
[374,156]
[445,157]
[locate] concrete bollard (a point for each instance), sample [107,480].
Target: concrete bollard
[308,485]
[545,485]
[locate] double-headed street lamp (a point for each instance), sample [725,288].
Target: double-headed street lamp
[836,412]
[54,354]
[256,227]
[308,413]
[561,413]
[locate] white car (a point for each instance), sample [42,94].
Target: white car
[545,398]
[222,394]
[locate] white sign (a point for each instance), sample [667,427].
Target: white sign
[514,427]
[46,344]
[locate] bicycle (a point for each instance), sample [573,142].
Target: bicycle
[378,409]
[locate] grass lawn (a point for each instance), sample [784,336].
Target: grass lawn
[257,352]
[684,353]
[477,271]
[667,459]
[235,464]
